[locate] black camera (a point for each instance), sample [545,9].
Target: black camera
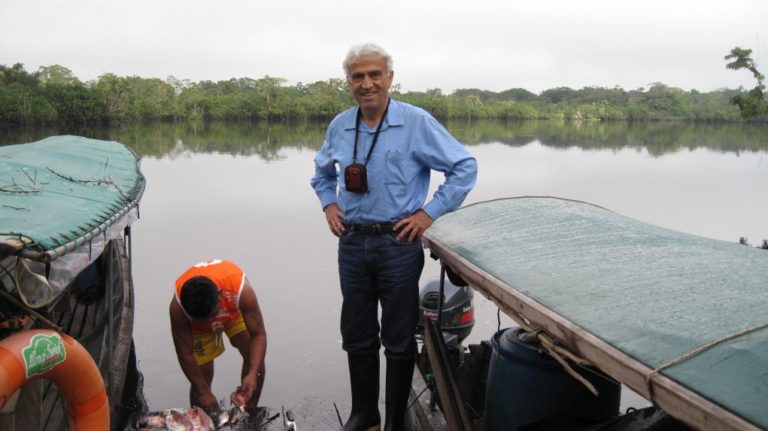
[356,178]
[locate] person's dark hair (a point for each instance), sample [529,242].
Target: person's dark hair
[199,296]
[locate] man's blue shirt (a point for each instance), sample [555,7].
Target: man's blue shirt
[411,144]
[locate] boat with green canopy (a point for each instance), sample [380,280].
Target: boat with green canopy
[62,191]
[66,207]
[680,319]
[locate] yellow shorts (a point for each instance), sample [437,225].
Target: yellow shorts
[209,345]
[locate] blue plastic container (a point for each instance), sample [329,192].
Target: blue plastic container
[526,385]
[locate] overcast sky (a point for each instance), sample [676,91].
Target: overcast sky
[492,45]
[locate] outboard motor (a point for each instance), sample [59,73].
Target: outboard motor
[458,316]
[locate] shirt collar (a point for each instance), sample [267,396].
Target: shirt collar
[394,116]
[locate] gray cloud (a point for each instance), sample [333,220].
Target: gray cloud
[445,44]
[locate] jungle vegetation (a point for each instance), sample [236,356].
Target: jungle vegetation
[753,104]
[52,95]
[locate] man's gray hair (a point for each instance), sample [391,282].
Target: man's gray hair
[359,51]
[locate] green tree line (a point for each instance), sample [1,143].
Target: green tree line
[52,95]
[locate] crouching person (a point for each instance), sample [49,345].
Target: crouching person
[212,298]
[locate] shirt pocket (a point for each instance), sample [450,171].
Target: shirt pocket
[396,168]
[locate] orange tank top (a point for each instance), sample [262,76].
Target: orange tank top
[229,278]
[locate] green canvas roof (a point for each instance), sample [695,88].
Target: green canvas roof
[653,294]
[57,192]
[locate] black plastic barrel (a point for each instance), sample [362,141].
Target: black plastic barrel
[526,385]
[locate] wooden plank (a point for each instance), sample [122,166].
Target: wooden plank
[422,416]
[29,403]
[450,397]
[122,349]
[677,400]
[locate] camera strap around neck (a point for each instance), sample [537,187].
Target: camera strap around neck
[375,136]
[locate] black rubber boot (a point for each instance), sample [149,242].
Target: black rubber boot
[399,380]
[364,380]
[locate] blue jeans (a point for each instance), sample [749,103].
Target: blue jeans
[373,269]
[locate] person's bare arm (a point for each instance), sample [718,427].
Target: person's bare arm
[249,307]
[181,331]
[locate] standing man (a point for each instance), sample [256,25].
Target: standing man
[372,177]
[214,297]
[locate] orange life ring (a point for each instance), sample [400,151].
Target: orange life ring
[44,354]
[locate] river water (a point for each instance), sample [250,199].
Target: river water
[241,192]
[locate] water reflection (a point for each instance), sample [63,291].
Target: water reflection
[268,139]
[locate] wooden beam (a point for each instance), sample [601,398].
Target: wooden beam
[451,402]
